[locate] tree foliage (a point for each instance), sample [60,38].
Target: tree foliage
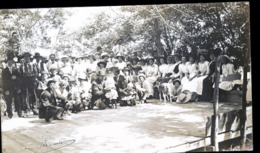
[155,29]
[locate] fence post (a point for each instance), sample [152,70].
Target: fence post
[214,135]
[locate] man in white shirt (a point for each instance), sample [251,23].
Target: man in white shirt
[119,48]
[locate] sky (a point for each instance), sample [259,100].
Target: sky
[83,15]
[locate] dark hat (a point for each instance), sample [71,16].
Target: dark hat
[176,80]
[102,62]
[37,55]
[26,54]
[52,55]
[99,48]
[134,58]
[50,81]
[65,58]
[119,40]
[114,69]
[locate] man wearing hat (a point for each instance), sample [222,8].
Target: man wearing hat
[29,73]
[119,48]
[141,87]
[12,88]
[53,63]
[49,103]
[40,65]
[66,68]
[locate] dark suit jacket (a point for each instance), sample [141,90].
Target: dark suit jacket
[8,82]
[47,98]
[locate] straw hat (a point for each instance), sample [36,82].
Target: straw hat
[184,97]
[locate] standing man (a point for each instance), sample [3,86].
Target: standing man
[40,65]
[28,75]
[52,63]
[11,86]
[119,48]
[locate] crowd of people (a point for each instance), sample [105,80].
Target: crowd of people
[53,87]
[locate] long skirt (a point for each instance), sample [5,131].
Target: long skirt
[191,86]
[150,85]
[207,92]
[199,81]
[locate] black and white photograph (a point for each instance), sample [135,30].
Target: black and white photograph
[157,78]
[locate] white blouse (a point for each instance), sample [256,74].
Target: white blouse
[163,69]
[192,69]
[183,68]
[228,69]
[121,65]
[152,70]
[204,67]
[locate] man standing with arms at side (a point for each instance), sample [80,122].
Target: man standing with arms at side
[29,73]
[11,86]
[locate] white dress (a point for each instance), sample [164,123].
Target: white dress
[186,83]
[227,69]
[110,85]
[151,76]
[163,69]
[204,69]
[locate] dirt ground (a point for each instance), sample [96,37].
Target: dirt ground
[145,128]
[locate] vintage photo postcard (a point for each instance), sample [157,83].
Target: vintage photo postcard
[155,78]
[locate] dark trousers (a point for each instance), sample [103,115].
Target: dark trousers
[53,112]
[29,99]
[95,98]
[141,95]
[16,97]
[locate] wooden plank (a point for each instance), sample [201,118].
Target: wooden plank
[204,142]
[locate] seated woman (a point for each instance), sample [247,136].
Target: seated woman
[228,77]
[189,80]
[126,92]
[203,71]
[163,68]
[151,76]
[134,66]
